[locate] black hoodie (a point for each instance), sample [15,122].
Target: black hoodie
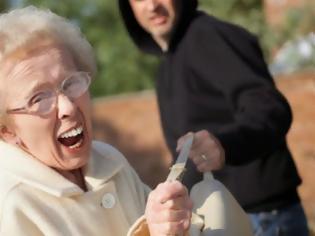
[214,77]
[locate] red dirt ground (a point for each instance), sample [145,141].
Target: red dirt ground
[131,124]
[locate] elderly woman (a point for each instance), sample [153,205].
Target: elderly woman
[54,180]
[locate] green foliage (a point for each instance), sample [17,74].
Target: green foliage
[122,67]
[246,13]
[3,5]
[249,14]
[298,22]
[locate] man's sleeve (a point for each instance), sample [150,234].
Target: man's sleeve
[229,59]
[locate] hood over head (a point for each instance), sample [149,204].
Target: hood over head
[143,39]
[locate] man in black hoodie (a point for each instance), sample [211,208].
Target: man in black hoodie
[213,81]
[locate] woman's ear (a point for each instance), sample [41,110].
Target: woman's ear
[8,135]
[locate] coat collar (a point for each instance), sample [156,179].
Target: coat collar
[102,166]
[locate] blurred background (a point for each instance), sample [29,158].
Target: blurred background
[124,106]
[122,68]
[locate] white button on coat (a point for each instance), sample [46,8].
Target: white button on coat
[108,201]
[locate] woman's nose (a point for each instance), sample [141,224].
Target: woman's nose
[66,107]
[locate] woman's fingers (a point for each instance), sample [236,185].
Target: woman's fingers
[168,209]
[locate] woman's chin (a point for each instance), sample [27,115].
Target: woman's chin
[71,164]
[75,157]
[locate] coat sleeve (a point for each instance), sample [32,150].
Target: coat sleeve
[140,227]
[15,222]
[229,59]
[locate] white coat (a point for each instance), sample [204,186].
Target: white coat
[35,200]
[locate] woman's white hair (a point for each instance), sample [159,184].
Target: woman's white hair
[19,26]
[25,28]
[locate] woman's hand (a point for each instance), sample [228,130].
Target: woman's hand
[206,152]
[168,210]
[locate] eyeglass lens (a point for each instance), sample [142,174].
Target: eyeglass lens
[72,87]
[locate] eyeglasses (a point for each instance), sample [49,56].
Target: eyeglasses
[44,102]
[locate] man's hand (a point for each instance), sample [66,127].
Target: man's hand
[206,151]
[168,210]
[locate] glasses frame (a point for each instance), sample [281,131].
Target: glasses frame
[59,90]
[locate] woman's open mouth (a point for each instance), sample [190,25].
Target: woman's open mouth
[73,138]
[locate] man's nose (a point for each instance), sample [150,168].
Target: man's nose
[152,4]
[66,107]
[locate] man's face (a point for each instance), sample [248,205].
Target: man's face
[157,17]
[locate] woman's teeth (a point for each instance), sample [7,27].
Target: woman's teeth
[72,133]
[73,138]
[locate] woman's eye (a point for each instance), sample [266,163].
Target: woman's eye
[72,83]
[38,98]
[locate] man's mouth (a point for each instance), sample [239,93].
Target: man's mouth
[72,138]
[158,20]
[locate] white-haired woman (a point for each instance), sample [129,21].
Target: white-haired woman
[54,180]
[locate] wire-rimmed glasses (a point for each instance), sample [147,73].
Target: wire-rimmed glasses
[43,102]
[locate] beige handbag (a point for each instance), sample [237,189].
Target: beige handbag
[215,212]
[219,211]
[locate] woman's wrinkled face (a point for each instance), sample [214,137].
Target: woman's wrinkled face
[62,138]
